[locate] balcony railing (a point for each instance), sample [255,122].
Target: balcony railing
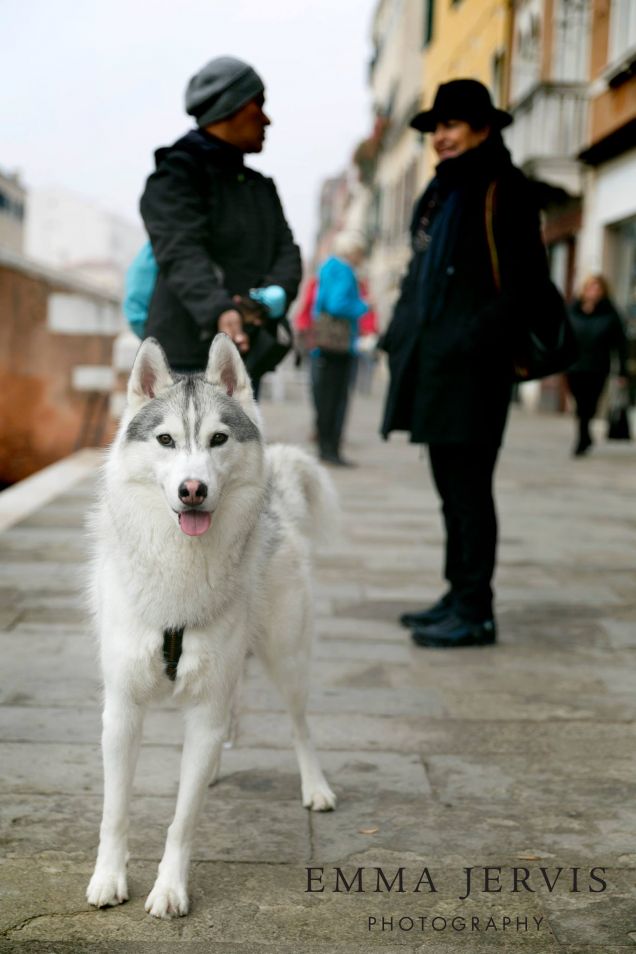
[550,123]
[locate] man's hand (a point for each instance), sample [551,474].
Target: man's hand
[231,323]
[252,312]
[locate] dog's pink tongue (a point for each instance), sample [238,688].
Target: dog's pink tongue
[194,522]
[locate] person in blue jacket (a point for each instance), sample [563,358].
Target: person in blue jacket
[337,294]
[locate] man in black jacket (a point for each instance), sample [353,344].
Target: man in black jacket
[226,255]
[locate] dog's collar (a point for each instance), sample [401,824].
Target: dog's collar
[172,645]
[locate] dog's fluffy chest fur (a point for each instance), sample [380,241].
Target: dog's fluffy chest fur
[169,580]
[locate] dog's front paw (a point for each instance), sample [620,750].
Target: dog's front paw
[321,799]
[167,900]
[107,888]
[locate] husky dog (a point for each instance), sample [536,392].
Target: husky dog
[202,550]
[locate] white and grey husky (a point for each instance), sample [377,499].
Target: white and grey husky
[202,550]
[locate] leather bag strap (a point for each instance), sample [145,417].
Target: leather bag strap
[490,234]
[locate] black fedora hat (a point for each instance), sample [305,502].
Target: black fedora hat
[465,99]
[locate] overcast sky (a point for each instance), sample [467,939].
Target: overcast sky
[89,89]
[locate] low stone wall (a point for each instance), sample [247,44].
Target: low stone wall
[56,340]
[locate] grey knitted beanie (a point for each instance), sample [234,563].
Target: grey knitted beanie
[220,89]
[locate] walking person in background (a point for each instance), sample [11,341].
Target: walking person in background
[337,311]
[304,316]
[600,335]
[226,256]
[450,341]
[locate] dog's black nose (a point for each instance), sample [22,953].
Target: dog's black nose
[193,491]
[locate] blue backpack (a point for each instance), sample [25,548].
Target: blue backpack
[138,288]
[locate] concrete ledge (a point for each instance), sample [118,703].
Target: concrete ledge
[93,377]
[78,314]
[29,495]
[56,277]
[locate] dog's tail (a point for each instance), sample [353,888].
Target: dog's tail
[310,498]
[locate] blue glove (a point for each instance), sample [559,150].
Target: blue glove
[273,297]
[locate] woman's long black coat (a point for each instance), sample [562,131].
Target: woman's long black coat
[451,339]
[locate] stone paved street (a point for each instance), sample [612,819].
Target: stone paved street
[519,756]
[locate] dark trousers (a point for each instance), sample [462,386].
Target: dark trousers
[586,388]
[331,386]
[314,370]
[463,475]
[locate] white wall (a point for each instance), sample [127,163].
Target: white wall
[66,231]
[610,197]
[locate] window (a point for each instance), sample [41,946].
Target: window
[429,16]
[571,41]
[498,76]
[526,53]
[12,207]
[622,38]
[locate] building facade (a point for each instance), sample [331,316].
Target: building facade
[547,96]
[396,175]
[333,202]
[418,46]
[465,38]
[73,234]
[56,377]
[608,238]
[566,70]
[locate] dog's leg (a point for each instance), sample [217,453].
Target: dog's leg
[205,733]
[121,734]
[285,651]
[235,716]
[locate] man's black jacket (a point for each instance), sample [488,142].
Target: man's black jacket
[217,229]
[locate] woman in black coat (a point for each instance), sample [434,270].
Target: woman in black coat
[476,277]
[600,334]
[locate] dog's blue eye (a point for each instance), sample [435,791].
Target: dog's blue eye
[218,439]
[165,440]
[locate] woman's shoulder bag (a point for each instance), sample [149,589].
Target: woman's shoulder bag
[548,345]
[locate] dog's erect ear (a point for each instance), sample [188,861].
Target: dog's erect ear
[226,370]
[150,374]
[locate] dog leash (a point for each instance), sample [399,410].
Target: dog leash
[172,646]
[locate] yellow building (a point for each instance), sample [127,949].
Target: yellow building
[419,44]
[395,78]
[465,38]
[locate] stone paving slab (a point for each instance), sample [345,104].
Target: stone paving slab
[521,755]
[394,946]
[64,768]
[21,724]
[469,832]
[277,829]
